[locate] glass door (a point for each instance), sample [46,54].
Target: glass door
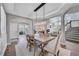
[23,29]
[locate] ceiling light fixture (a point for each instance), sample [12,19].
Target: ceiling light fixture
[42,4]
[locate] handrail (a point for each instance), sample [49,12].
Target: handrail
[70,22]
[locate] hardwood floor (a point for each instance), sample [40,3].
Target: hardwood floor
[73,47]
[10,50]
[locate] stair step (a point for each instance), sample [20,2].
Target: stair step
[72,32]
[72,38]
[72,35]
[73,41]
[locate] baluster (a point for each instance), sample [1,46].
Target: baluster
[70,25]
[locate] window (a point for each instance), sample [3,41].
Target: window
[69,17]
[55,24]
[72,16]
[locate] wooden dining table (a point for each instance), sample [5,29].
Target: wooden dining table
[44,40]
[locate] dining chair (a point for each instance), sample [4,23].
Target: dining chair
[32,43]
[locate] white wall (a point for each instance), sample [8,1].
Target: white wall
[16,20]
[0,19]
[0,28]
[3,39]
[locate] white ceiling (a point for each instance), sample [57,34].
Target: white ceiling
[74,9]
[21,9]
[27,9]
[0,12]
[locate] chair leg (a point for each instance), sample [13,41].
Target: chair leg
[34,51]
[30,48]
[27,45]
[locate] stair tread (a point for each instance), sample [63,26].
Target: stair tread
[73,38]
[73,41]
[72,35]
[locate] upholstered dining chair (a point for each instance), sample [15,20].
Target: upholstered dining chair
[31,43]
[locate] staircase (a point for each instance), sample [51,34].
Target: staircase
[72,35]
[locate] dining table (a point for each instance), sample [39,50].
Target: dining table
[44,40]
